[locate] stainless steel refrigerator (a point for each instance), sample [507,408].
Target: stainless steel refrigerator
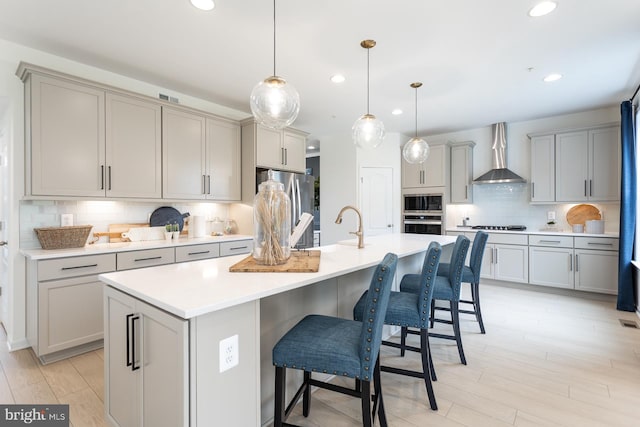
[299,187]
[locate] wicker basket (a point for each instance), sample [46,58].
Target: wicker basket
[63,237]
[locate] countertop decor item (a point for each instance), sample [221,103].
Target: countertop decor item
[298,262]
[275,103]
[416,150]
[167,215]
[74,236]
[368,131]
[581,213]
[272,223]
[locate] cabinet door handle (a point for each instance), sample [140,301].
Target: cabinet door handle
[79,266]
[496,255]
[102,177]
[585,188]
[199,253]
[533,190]
[281,155]
[570,262]
[577,263]
[286,156]
[147,259]
[128,340]
[208,184]
[590,187]
[204,184]
[133,343]
[466,191]
[109,168]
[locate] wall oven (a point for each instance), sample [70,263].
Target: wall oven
[422,213]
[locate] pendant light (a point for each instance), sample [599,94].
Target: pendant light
[416,150]
[274,102]
[367,131]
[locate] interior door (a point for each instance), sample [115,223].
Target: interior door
[4,207]
[376,200]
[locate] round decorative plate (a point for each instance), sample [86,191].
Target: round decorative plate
[581,213]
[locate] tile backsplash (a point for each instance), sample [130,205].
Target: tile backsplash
[508,204]
[46,213]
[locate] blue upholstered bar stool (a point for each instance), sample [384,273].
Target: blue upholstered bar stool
[471,275]
[446,288]
[409,309]
[332,345]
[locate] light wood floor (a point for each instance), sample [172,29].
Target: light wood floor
[546,360]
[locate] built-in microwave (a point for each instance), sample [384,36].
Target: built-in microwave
[422,203]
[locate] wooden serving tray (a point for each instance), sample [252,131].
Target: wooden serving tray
[298,262]
[581,213]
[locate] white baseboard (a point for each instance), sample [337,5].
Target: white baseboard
[18,345]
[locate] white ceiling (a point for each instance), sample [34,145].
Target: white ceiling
[481,61]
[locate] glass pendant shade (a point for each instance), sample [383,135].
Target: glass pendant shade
[416,150]
[275,103]
[368,132]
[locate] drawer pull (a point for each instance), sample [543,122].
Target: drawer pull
[199,253]
[599,244]
[79,266]
[237,248]
[147,259]
[550,241]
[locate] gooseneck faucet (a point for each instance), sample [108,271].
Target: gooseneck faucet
[357,233]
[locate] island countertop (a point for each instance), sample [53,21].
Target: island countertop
[195,288]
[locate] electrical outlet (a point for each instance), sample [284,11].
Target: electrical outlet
[66,220]
[551,215]
[229,353]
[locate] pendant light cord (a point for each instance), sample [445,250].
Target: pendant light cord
[368,49]
[416,135]
[274,38]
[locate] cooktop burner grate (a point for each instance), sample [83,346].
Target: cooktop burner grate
[500,227]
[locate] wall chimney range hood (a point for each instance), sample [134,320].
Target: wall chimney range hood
[499,174]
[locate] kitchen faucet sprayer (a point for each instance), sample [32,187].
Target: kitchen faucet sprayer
[357,233]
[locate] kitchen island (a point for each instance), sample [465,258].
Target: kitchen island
[197,338]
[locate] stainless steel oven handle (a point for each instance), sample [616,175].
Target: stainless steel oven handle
[411,222]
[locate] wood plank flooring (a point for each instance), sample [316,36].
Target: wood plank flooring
[546,360]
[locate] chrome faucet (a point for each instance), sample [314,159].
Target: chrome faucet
[357,233]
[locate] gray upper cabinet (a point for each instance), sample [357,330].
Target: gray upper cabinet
[66,128]
[543,178]
[201,156]
[576,166]
[133,148]
[85,139]
[461,172]
[183,154]
[430,175]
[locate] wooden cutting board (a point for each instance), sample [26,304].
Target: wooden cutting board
[581,213]
[115,230]
[298,262]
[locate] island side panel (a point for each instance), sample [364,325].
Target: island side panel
[278,314]
[231,397]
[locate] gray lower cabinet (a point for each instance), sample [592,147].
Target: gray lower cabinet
[582,263]
[146,363]
[64,305]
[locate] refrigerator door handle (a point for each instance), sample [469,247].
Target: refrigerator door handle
[299,198]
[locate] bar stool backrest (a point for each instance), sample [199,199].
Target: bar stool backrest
[457,262]
[375,310]
[477,252]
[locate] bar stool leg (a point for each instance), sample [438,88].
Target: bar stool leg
[475,287]
[365,400]
[279,397]
[455,317]
[306,396]
[427,367]
[378,401]
[403,340]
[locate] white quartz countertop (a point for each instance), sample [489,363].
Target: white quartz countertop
[105,248]
[195,288]
[545,232]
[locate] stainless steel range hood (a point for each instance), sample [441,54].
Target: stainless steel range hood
[499,174]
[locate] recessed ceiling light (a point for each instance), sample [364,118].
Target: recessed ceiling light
[203,4]
[552,78]
[337,78]
[396,112]
[542,8]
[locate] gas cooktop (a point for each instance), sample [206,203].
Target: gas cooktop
[500,227]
